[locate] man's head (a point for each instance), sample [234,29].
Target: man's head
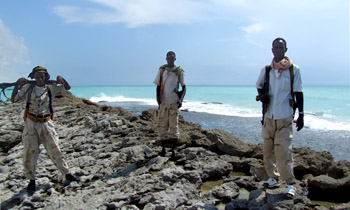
[279,48]
[40,74]
[170,58]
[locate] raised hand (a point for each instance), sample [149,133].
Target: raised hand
[21,81]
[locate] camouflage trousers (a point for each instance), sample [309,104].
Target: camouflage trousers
[277,150]
[168,116]
[35,134]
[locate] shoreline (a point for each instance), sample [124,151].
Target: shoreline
[249,129]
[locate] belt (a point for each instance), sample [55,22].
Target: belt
[39,118]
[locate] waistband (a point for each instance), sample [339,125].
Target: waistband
[42,118]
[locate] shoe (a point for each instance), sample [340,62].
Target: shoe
[71,177]
[31,187]
[271,183]
[162,153]
[175,155]
[290,191]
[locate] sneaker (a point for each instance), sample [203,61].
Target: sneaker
[71,177]
[290,191]
[271,183]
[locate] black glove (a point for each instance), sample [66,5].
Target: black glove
[300,122]
[179,104]
[264,98]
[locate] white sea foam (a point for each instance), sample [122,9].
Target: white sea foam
[315,122]
[120,98]
[193,106]
[312,120]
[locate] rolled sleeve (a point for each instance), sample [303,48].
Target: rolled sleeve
[182,78]
[57,90]
[157,79]
[261,79]
[297,84]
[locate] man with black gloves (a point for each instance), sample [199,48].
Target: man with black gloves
[278,85]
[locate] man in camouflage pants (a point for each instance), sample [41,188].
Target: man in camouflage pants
[169,100]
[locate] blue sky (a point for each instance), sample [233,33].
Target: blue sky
[217,42]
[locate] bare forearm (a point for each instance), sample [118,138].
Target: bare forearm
[14,93]
[64,82]
[66,85]
[183,93]
[19,83]
[158,95]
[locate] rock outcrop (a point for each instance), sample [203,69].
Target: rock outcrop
[115,154]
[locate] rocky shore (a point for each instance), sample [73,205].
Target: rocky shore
[115,154]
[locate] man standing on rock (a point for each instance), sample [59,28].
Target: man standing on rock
[38,125]
[169,100]
[277,85]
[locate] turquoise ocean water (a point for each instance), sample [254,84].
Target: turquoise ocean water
[326,107]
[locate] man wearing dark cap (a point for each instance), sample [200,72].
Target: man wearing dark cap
[38,127]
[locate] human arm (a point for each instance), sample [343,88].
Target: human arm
[300,105]
[157,81]
[297,88]
[62,81]
[183,85]
[158,95]
[19,83]
[182,96]
[262,88]
[264,98]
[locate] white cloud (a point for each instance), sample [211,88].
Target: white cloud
[260,21]
[252,31]
[136,13]
[14,57]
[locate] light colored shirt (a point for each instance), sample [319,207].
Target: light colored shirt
[280,92]
[171,80]
[39,99]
